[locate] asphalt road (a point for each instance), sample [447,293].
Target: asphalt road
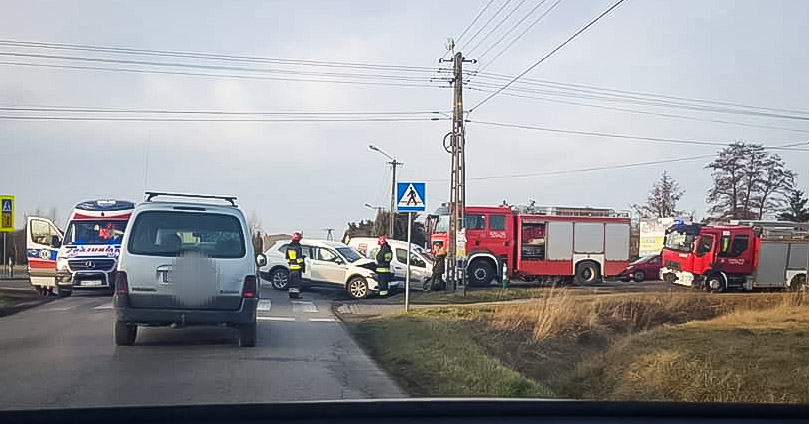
[62,354]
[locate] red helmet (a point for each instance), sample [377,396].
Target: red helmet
[297,236]
[382,240]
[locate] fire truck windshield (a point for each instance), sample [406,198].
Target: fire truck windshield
[680,241]
[442,226]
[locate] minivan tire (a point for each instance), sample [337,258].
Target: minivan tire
[357,288]
[276,276]
[125,333]
[587,273]
[60,292]
[247,335]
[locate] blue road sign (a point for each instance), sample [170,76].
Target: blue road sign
[411,197]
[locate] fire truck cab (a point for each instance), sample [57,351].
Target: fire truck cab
[721,257]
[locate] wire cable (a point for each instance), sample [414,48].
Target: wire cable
[491,18]
[549,54]
[496,27]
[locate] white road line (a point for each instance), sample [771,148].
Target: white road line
[275,318]
[58,309]
[104,307]
[322,320]
[306,307]
[264,305]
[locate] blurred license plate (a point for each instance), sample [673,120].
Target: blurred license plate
[91,283]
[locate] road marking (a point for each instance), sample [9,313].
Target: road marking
[307,307]
[275,318]
[264,305]
[58,309]
[322,320]
[104,307]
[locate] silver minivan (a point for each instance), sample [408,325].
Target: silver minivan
[186,263]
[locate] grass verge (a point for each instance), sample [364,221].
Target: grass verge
[680,346]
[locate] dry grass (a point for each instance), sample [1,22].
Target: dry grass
[679,345]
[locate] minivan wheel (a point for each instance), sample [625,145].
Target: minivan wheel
[638,276]
[279,279]
[247,335]
[357,288]
[125,333]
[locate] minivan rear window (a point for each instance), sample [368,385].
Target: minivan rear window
[159,233]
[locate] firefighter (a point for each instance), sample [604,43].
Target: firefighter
[438,269]
[296,265]
[383,259]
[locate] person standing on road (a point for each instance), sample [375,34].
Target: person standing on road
[438,269]
[383,259]
[295,261]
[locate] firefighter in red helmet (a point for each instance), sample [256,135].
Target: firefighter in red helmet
[383,260]
[296,264]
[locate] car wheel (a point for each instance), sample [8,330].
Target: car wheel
[279,279]
[638,276]
[125,333]
[247,335]
[480,273]
[60,292]
[357,288]
[587,273]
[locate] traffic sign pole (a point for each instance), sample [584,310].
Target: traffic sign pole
[407,273]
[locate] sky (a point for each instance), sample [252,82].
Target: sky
[315,175]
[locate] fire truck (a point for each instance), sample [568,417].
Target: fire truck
[540,243]
[741,255]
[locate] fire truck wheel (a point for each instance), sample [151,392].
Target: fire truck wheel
[715,283]
[481,273]
[797,283]
[587,273]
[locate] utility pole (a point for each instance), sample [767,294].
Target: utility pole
[457,193]
[393,163]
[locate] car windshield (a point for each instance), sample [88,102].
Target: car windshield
[566,141]
[95,232]
[350,254]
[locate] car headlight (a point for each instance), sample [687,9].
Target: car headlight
[61,264]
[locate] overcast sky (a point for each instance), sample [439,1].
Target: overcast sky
[314,175]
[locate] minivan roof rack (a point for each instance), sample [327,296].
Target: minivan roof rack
[152,194]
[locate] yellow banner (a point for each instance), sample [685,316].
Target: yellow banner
[6,213]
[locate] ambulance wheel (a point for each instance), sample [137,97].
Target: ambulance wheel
[715,283]
[60,292]
[279,278]
[480,272]
[125,333]
[587,273]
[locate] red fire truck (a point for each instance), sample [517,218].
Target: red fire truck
[536,243]
[745,255]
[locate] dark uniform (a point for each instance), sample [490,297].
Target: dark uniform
[297,266]
[439,269]
[384,274]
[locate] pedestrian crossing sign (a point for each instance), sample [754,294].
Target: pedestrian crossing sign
[6,213]
[411,197]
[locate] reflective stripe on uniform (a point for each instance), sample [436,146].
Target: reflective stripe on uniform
[382,270]
[295,267]
[292,254]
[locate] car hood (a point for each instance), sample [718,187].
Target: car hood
[364,263]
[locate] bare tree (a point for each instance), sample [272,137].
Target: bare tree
[662,199]
[749,183]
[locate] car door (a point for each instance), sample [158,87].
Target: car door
[328,268]
[418,268]
[41,253]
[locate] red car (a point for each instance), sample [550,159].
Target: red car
[647,267]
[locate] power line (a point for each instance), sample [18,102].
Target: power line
[496,27]
[216,75]
[211,56]
[75,109]
[551,53]
[180,119]
[520,35]
[645,112]
[513,27]
[491,18]
[471,24]
[623,136]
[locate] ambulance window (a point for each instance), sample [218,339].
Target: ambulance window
[497,222]
[40,232]
[740,244]
[474,222]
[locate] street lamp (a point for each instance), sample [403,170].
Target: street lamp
[394,163]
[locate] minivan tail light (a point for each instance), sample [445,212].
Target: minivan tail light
[250,287]
[121,283]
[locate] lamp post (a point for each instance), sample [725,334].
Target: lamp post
[394,163]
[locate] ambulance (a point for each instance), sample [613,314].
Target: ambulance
[82,257]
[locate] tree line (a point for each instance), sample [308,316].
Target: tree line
[749,183]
